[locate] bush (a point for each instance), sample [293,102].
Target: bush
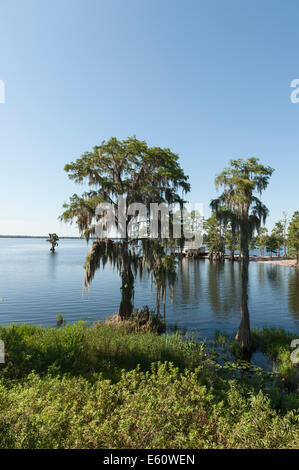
[276,344]
[107,387]
[161,408]
[81,350]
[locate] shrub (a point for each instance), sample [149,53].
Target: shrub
[107,387]
[160,408]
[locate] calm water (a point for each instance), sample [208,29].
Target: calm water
[36,285]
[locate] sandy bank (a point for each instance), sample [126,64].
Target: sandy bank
[280,261]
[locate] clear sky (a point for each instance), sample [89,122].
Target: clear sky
[208,78]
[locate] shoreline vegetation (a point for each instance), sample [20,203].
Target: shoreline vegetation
[114,385]
[38,236]
[279,260]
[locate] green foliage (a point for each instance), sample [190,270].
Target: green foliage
[59,319]
[284,224]
[238,202]
[262,239]
[220,339]
[142,320]
[232,238]
[127,168]
[53,239]
[272,243]
[239,205]
[215,235]
[276,344]
[293,236]
[278,232]
[106,387]
[161,408]
[81,350]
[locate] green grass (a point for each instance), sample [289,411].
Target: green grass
[108,387]
[81,350]
[276,344]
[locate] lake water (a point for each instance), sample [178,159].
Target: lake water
[35,286]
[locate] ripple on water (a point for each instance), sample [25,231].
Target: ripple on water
[37,286]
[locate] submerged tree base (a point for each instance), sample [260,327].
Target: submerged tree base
[141,320]
[243,337]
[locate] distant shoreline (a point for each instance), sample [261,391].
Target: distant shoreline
[279,261]
[282,261]
[38,236]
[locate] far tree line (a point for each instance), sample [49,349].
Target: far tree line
[221,237]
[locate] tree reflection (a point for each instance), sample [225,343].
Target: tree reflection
[294,294]
[52,265]
[224,291]
[274,274]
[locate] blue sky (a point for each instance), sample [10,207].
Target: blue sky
[209,79]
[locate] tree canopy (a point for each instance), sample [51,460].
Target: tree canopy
[293,236]
[127,168]
[53,240]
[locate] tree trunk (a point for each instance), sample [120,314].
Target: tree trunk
[164,304]
[158,299]
[243,335]
[127,288]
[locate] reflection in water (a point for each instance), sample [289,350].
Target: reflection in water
[232,287]
[224,282]
[293,283]
[52,265]
[274,274]
[215,272]
[261,273]
[38,285]
[204,287]
[188,283]
[284,283]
